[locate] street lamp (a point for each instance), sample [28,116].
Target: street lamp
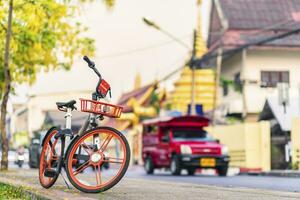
[154,25]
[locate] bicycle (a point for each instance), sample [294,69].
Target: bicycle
[92,150]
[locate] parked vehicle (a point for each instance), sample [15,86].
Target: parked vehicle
[182,143]
[34,152]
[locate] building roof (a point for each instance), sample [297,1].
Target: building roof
[258,14]
[137,94]
[247,19]
[284,118]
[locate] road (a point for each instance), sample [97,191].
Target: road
[141,188]
[231,181]
[260,182]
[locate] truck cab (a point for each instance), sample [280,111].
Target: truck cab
[182,143]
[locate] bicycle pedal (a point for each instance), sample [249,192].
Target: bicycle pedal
[50,173]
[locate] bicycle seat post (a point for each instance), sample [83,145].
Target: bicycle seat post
[68,117]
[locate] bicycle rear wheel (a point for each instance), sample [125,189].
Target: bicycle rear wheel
[50,158]
[97,160]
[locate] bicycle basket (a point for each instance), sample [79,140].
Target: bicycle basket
[101,108]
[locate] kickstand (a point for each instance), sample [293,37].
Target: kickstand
[65,181]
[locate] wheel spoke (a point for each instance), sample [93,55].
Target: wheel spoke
[86,148]
[98,175]
[91,150]
[48,161]
[105,143]
[81,168]
[53,147]
[113,160]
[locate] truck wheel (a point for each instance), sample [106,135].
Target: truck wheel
[149,166]
[222,171]
[175,165]
[191,172]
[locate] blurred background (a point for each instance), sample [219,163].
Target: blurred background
[233,62]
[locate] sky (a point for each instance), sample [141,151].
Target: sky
[125,45]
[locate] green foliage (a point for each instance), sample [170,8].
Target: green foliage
[154,101]
[45,35]
[226,83]
[10,192]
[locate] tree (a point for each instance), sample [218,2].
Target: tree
[39,34]
[7,85]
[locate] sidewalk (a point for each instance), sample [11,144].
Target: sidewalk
[138,189]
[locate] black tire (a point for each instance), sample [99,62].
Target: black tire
[175,165]
[114,182]
[149,165]
[191,171]
[222,171]
[59,166]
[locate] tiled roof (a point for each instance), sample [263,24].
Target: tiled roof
[257,14]
[247,19]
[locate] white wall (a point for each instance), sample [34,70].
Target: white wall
[230,67]
[268,60]
[257,61]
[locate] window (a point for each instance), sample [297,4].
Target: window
[191,135]
[165,137]
[271,78]
[150,129]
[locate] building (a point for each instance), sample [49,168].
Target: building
[254,72]
[257,70]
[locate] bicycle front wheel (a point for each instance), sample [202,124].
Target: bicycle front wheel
[97,160]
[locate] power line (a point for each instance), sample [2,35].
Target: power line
[258,42]
[254,42]
[169,75]
[133,51]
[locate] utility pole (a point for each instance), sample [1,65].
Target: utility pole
[224,24]
[217,82]
[244,83]
[192,106]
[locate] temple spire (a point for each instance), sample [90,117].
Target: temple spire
[137,81]
[200,46]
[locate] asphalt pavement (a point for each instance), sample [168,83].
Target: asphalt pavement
[142,189]
[247,181]
[287,184]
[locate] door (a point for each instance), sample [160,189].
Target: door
[164,148]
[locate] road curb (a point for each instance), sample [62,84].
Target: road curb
[275,173]
[281,174]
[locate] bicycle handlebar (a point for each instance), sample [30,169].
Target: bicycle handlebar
[91,64]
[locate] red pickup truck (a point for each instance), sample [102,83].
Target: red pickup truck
[182,143]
